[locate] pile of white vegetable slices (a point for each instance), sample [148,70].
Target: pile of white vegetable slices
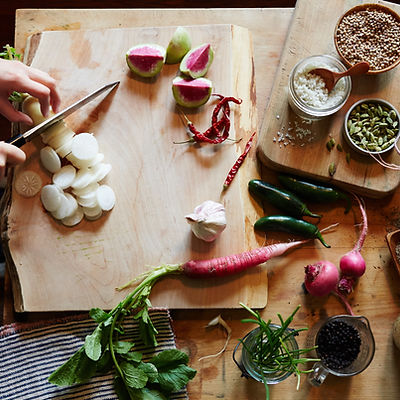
[76,190]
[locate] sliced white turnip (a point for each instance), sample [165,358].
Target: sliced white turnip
[105,197]
[92,212]
[74,219]
[62,138]
[81,164]
[84,146]
[52,132]
[101,170]
[67,207]
[83,178]
[31,106]
[94,217]
[28,183]
[50,159]
[72,204]
[65,149]
[86,190]
[88,200]
[51,197]
[65,176]
[74,161]
[96,160]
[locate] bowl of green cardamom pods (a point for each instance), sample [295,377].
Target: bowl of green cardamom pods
[372,126]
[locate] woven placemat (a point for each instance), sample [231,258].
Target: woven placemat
[29,353]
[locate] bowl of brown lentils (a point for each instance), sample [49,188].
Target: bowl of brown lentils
[369,32]
[372,126]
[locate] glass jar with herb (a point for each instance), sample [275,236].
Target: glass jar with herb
[270,352]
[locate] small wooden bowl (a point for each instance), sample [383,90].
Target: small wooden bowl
[362,7]
[393,240]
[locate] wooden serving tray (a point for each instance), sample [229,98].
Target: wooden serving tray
[311,33]
[156,182]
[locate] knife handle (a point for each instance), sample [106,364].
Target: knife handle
[17,140]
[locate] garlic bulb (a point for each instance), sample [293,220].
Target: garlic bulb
[208,220]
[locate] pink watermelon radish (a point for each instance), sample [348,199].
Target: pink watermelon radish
[146,60]
[191,92]
[197,61]
[178,46]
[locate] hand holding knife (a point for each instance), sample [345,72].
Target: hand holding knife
[20,139]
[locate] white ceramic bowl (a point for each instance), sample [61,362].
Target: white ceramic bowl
[348,136]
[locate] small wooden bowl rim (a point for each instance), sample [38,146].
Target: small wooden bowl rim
[362,7]
[392,242]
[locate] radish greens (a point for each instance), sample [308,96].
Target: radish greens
[103,351]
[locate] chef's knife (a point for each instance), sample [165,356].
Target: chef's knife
[20,139]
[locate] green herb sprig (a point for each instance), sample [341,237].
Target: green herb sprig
[271,354]
[103,351]
[9,53]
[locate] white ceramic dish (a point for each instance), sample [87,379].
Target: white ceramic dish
[350,141]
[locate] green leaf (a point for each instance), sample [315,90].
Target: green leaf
[105,363]
[79,368]
[93,348]
[135,377]
[121,347]
[16,97]
[121,389]
[98,315]
[147,394]
[169,358]
[133,356]
[176,378]
[125,393]
[150,370]
[147,331]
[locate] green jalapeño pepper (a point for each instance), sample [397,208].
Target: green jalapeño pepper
[282,199]
[314,191]
[283,223]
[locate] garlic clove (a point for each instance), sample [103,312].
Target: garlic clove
[208,220]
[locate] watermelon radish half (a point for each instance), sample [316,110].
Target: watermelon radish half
[146,60]
[197,61]
[191,92]
[178,46]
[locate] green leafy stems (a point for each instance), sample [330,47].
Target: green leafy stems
[9,53]
[102,351]
[271,353]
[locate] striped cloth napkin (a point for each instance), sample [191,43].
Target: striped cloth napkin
[30,353]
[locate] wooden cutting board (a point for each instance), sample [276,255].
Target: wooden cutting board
[311,33]
[156,181]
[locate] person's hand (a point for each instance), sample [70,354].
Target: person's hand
[16,76]
[9,155]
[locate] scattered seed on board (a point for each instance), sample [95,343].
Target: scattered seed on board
[332,169]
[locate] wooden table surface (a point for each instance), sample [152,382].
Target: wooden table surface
[377,296]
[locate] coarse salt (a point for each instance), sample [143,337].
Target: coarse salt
[310,88]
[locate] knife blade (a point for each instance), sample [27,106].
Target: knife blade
[22,138]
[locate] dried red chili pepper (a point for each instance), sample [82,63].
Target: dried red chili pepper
[219,130]
[232,173]
[224,102]
[203,137]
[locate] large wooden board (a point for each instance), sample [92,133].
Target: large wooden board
[310,33]
[156,182]
[376,296]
